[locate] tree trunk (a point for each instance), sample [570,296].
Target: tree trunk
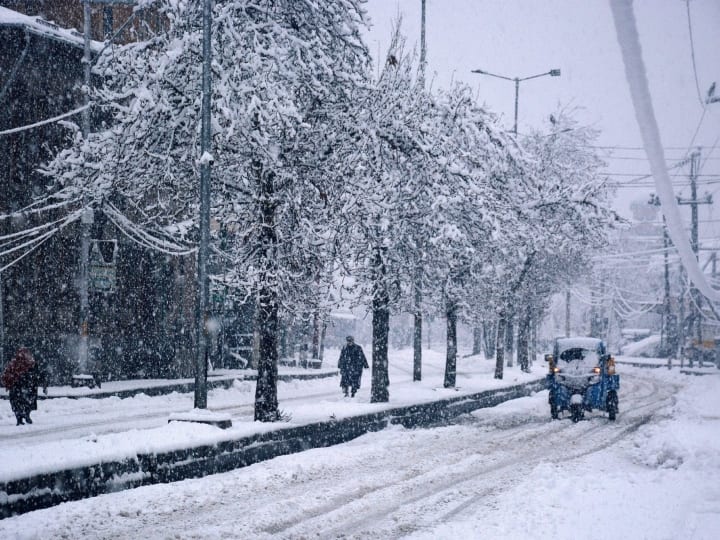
[523,340]
[489,331]
[381,329]
[509,339]
[417,329]
[451,355]
[321,352]
[533,338]
[266,402]
[316,336]
[500,346]
[477,339]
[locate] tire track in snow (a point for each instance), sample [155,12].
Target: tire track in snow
[463,470]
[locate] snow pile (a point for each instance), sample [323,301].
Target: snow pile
[644,347]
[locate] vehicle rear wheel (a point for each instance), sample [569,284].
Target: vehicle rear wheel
[576,412]
[553,411]
[611,404]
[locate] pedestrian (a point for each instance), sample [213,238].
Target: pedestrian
[21,377]
[351,363]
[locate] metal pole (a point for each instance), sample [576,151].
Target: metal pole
[697,315]
[567,313]
[87,59]
[2,325]
[423,48]
[85,224]
[665,336]
[203,251]
[87,218]
[517,93]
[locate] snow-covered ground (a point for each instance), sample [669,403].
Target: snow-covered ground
[75,432]
[505,472]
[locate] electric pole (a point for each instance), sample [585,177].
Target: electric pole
[668,337]
[2,324]
[418,281]
[567,313]
[696,298]
[423,47]
[86,219]
[201,364]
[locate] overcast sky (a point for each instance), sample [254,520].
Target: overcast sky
[521,38]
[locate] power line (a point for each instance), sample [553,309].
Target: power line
[637,148]
[43,122]
[648,175]
[692,55]
[634,158]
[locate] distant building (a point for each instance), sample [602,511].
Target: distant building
[142,306]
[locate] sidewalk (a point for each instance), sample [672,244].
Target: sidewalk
[140,424]
[220,378]
[45,470]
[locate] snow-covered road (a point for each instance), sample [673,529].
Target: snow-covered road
[505,472]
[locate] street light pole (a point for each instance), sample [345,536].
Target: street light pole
[517,81]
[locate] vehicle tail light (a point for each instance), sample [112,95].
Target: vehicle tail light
[596,370]
[611,365]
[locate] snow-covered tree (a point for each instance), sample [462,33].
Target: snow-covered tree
[282,70]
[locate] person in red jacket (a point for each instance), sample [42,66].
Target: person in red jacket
[21,377]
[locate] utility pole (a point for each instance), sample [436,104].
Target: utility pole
[696,317]
[418,281]
[204,218]
[2,324]
[667,343]
[567,313]
[87,217]
[423,47]
[665,340]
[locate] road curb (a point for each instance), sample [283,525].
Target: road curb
[49,489]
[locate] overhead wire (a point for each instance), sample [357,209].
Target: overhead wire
[692,54]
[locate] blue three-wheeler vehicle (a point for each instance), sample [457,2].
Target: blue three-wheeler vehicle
[582,378]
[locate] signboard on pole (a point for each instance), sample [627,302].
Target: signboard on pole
[103,267]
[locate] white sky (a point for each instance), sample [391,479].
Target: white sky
[520,38]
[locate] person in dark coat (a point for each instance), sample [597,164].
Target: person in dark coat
[351,363]
[21,377]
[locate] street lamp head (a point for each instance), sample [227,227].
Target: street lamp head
[477,71]
[554,72]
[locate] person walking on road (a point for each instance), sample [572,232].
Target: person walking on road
[21,377]
[351,363]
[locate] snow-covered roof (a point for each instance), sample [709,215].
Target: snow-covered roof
[578,343]
[41,27]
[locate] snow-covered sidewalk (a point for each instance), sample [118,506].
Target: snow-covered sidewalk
[127,388]
[70,433]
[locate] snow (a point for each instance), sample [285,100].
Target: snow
[121,428]
[37,25]
[577,343]
[497,473]
[637,348]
